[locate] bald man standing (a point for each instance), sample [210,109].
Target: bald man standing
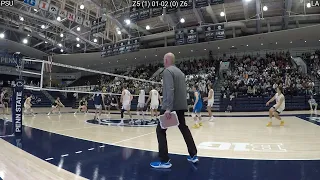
[174,99]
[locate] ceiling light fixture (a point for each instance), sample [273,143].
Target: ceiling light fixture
[61,50]
[46,42]
[265,8]
[61,35]
[222,14]
[308,5]
[119,32]
[58,18]
[147,27]
[43,26]
[78,28]
[36,10]
[78,45]
[127,21]
[21,18]
[2,35]
[78,39]
[290,42]
[182,20]
[60,45]
[261,44]
[25,41]
[247,45]
[81,6]
[95,40]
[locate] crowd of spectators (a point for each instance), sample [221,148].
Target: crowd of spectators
[260,76]
[198,72]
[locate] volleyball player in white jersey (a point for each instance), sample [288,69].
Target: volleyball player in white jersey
[141,103]
[278,107]
[27,105]
[210,100]
[126,99]
[154,105]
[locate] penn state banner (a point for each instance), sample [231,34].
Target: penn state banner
[17,99]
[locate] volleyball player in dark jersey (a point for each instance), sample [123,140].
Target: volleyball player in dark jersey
[98,100]
[107,102]
[83,106]
[115,102]
[56,105]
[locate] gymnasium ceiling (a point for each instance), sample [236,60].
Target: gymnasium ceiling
[243,17]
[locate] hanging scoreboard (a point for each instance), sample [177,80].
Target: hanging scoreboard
[121,47]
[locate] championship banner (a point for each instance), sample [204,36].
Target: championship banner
[214,2]
[17,99]
[192,36]
[180,37]
[201,3]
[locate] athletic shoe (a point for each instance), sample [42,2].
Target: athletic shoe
[161,165]
[269,124]
[200,124]
[48,114]
[75,113]
[282,123]
[195,126]
[193,159]
[120,124]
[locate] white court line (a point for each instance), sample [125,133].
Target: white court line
[102,146]
[11,135]
[77,128]
[90,149]
[78,152]
[64,155]
[48,159]
[132,138]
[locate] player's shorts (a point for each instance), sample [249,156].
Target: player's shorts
[141,105]
[279,110]
[197,109]
[108,103]
[84,107]
[210,103]
[98,106]
[154,106]
[126,107]
[114,104]
[27,106]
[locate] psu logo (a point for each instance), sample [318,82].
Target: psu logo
[6,3]
[191,31]
[219,27]
[19,84]
[209,28]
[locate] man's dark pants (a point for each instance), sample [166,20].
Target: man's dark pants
[162,138]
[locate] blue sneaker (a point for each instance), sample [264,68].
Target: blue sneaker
[193,159]
[161,165]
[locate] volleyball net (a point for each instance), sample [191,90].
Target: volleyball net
[57,79]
